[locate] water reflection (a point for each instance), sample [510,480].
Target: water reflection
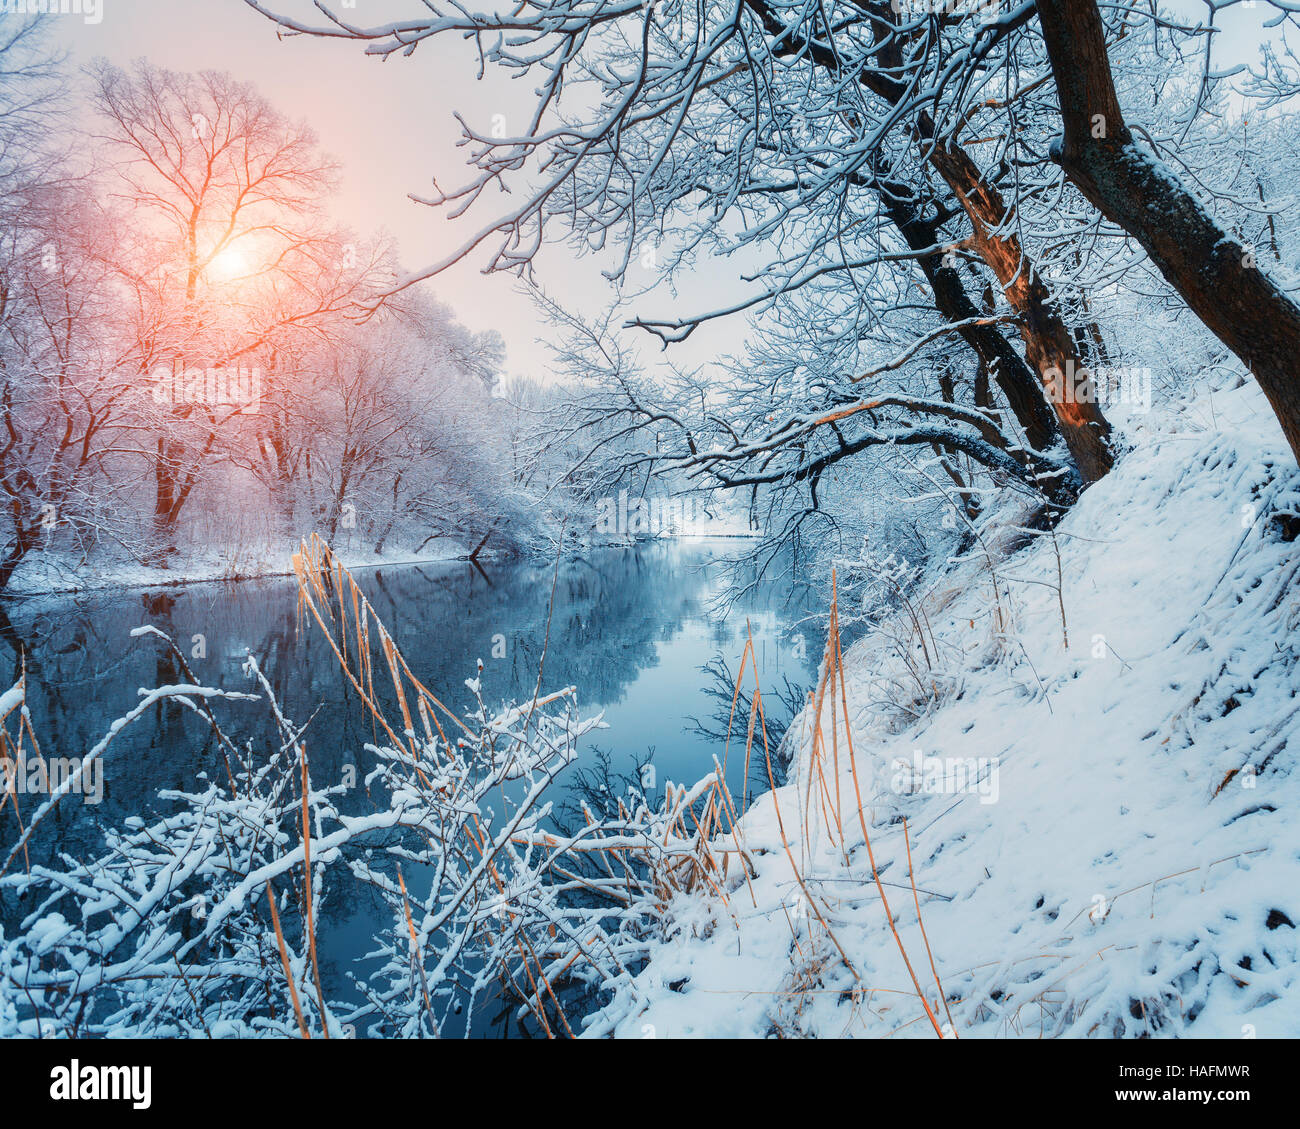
[631,629]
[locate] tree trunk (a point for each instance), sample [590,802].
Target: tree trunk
[164,508]
[1049,345]
[15,555]
[1215,275]
[1013,376]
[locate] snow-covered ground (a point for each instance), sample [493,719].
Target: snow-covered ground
[47,574]
[1125,858]
[60,573]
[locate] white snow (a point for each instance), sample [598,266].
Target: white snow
[48,573]
[1137,870]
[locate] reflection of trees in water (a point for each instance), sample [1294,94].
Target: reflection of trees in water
[611,611]
[605,786]
[781,704]
[84,668]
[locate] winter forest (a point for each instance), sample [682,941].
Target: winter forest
[649,519]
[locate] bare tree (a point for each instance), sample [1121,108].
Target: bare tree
[65,395]
[68,401]
[227,195]
[778,129]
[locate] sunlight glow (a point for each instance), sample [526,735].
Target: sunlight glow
[228,265]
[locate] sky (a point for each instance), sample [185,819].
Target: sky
[390,125]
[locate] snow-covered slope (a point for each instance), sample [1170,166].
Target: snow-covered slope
[1126,859]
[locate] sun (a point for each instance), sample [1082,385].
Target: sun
[229,264]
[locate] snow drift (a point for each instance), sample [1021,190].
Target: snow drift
[1097,781]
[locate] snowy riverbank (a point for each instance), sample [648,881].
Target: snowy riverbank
[1103,835]
[202,566]
[53,575]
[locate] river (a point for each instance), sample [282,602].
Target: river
[632,629]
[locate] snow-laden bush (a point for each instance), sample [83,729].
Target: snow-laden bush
[204,921]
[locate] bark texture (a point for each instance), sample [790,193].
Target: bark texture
[1214,274]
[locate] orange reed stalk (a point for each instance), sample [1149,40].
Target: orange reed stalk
[284,960]
[917,901]
[857,788]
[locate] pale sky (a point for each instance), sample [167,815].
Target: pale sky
[390,126]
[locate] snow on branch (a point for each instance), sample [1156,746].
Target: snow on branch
[203,921]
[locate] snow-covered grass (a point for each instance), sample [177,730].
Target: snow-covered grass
[1112,849]
[50,573]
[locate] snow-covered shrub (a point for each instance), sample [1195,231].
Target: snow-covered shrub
[204,921]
